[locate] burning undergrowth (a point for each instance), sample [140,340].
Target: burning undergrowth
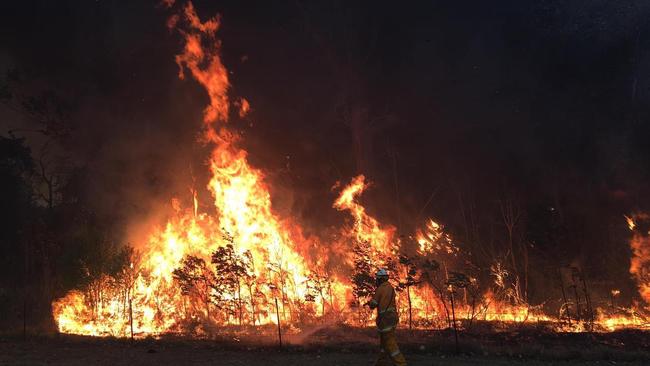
[243,265]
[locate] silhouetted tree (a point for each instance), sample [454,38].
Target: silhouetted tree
[318,284]
[252,283]
[232,270]
[196,280]
[363,283]
[409,277]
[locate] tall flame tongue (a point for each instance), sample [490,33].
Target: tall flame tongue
[640,261]
[242,199]
[365,227]
[243,208]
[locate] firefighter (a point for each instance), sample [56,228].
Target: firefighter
[384,302]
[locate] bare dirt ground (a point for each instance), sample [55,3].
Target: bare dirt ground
[117,354]
[335,346]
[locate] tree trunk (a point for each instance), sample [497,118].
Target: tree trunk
[207,299]
[239,304]
[471,319]
[277,313]
[526,263]
[575,292]
[250,291]
[590,310]
[322,299]
[453,315]
[441,295]
[131,316]
[408,295]
[566,302]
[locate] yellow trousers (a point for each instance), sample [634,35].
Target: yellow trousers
[390,353]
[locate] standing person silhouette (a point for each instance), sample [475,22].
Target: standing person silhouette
[387,318]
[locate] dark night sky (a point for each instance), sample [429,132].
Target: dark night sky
[546,101]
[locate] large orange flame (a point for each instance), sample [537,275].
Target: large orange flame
[365,228]
[146,298]
[243,208]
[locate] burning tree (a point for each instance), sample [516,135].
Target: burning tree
[196,280]
[431,275]
[578,297]
[103,265]
[280,280]
[506,287]
[232,271]
[410,276]
[362,278]
[252,283]
[319,283]
[516,247]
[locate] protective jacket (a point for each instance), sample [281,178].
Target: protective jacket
[384,301]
